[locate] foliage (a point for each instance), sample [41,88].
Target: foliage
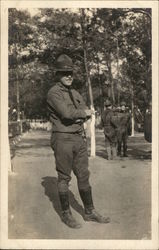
[118,46]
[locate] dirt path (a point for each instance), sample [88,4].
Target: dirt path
[121,190]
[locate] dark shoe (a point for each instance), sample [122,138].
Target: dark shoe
[90,213]
[94,216]
[69,220]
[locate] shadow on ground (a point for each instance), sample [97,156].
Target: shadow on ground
[133,154]
[138,148]
[139,154]
[50,185]
[102,153]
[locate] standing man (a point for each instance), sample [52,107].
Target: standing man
[148,123]
[68,112]
[109,123]
[124,126]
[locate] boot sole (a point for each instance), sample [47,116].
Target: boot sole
[77,226]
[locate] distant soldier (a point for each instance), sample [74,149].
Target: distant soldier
[148,123]
[124,127]
[110,126]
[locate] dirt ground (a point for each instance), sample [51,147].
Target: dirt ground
[121,190]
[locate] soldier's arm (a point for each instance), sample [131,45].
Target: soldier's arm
[129,122]
[102,119]
[64,111]
[82,103]
[114,121]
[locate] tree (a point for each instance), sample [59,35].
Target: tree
[111,51]
[88,80]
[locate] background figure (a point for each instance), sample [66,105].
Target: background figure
[110,125]
[148,123]
[68,113]
[124,126]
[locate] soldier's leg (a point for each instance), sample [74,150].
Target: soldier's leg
[64,159]
[114,151]
[109,152]
[80,169]
[119,148]
[113,146]
[108,148]
[119,144]
[125,137]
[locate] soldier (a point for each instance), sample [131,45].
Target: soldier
[109,123]
[124,125]
[68,112]
[148,123]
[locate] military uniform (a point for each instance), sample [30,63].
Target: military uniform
[148,125]
[67,114]
[67,138]
[109,124]
[124,125]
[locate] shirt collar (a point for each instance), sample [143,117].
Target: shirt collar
[63,87]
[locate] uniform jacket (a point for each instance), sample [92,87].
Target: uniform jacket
[65,117]
[125,119]
[124,123]
[148,126]
[109,123]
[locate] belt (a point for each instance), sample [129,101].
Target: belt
[59,132]
[83,134]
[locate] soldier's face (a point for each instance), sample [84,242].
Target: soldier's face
[123,108]
[109,107]
[67,78]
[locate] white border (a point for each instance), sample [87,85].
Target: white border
[76,244]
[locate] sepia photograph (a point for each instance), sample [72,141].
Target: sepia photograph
[80,131]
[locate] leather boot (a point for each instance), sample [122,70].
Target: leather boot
[109,153]
[90,213]
[93,215]
[69,220]
[67,217]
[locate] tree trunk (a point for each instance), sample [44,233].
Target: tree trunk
[18,108]
[88,80]
[111,81]
[18,104]
[92,125]
[132,112]
[101,91]
[118,73]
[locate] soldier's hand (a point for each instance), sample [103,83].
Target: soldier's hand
[89,112]
[79,121]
